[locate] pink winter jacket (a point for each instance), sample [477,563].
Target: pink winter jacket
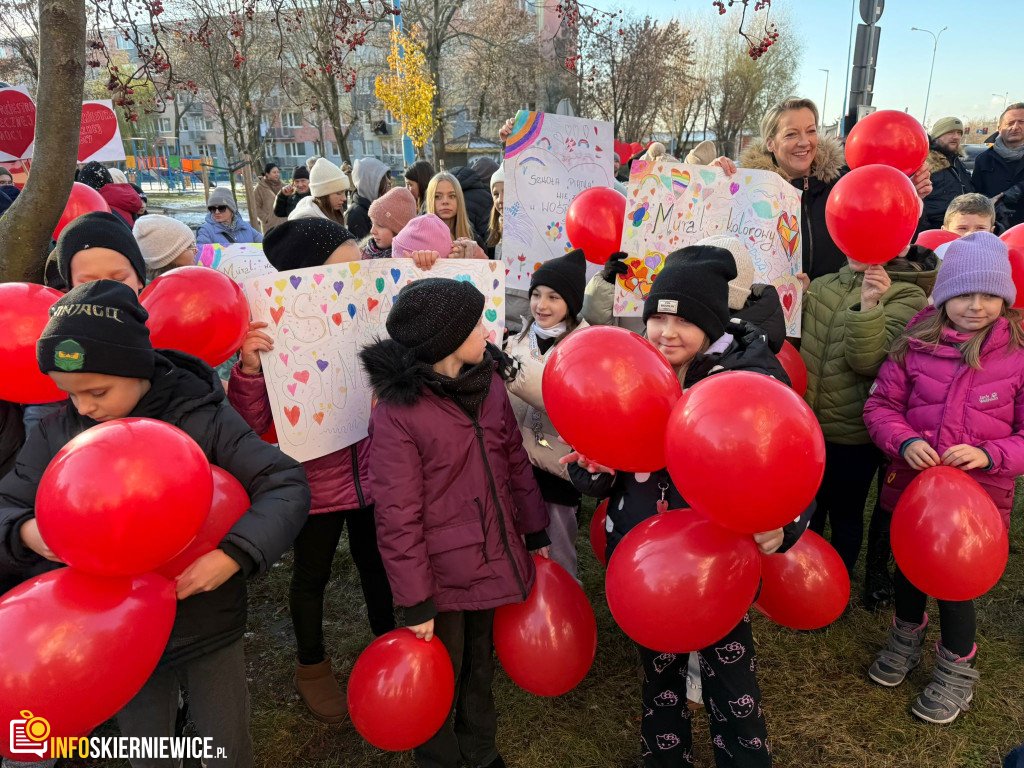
[934,395]
[339,480]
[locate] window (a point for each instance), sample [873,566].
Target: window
[391,147]
[333,146]
[123,43]
[186,150]
[206,150]
[184,123]
[292,149]
[164,124]
[207,124]
[291,120]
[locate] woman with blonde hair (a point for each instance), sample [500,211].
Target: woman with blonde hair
[445,200]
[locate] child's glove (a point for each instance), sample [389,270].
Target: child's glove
[614,266]
[508,366]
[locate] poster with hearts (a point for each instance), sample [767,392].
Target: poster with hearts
[17,124]
[240,261]
[100,137]
[549,159]
[319,319]
[670,205]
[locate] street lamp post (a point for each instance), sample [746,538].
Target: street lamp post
[935,48]
[1005,96]
[824,102]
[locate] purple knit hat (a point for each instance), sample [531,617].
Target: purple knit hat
[977,263]
[424,233]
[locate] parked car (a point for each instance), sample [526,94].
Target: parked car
[973,150]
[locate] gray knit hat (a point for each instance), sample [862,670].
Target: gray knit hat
[434,316]
[222,196]
[977,263]
[162,239]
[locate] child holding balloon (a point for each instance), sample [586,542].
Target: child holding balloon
[687,320]
[556,297]
[951,393]
[339,483]
[455,496]
[96,348]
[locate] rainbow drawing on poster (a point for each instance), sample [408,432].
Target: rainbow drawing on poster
[549,159]
[319,318]
[670,205]
[239,261]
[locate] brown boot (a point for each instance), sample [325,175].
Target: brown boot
[321,692]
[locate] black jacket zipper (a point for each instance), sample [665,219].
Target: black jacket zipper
[497,503]
[355,476]
[483,526]
[810,228]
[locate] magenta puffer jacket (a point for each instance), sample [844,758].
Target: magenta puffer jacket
[339,480]
[454,496]
[936,396]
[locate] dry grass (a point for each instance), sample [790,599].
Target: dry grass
[821,709]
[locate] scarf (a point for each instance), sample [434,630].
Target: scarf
[469,389]
[372,251]
[275,186]
[549,333]
[1006,153]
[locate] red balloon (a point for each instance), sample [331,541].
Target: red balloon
[603,376]
[933,238]
[547,644]
[746,450]
[77,648]
[401,690]
[1014,236]
[806,587]
[197,310]
[230,502]
[124,497]
[888,137]
[83,199]
[24,312]
[872,213]
[599,534]
[678,582]
[1017,270]
[594,223]
[794,366]
[948,537]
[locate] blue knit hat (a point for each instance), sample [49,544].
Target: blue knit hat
[977,263]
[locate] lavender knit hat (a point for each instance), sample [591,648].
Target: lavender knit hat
[977,263]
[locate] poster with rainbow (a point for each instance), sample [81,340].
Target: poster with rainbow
[549,159]
[670,205]
[319,318]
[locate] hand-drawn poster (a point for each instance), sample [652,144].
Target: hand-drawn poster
[240,261]
[319,319]
[549,159]
[670,205]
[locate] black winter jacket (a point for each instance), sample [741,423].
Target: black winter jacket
[185,392]
[950,178]
[12,435]
[285,204]
[357,217]
[994,174]
[478,202]
[633,498]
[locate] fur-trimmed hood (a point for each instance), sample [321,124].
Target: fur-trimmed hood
[826,166]
[939,161]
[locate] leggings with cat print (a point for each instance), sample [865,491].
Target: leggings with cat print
[731,696]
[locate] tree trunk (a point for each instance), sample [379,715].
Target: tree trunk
[26,228]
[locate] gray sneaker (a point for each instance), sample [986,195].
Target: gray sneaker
[951,689]
[902,654]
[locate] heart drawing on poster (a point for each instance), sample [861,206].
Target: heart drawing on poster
[99,125]
[789,288]
[789,230]
[17,122]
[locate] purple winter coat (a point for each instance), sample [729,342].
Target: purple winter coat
[454,498]
[339,480]
[936,396]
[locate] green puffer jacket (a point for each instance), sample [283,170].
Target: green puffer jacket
[843,347]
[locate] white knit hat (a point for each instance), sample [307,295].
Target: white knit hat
[498,177]
[326,178]
[739,288]
[161,239]
[118,176]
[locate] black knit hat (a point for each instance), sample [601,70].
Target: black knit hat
[303,243]
[95,175]
[434,316]
[98,327]
[98,229]
[566,276]
[300,172]
[694,284]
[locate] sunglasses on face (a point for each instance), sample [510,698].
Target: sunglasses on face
[218,208]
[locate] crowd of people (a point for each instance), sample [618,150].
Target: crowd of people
[911,364]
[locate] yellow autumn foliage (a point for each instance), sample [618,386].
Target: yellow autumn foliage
[407,90]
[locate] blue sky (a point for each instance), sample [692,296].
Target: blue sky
[978,55]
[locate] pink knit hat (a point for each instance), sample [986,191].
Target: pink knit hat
[424,233]
[394,209]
